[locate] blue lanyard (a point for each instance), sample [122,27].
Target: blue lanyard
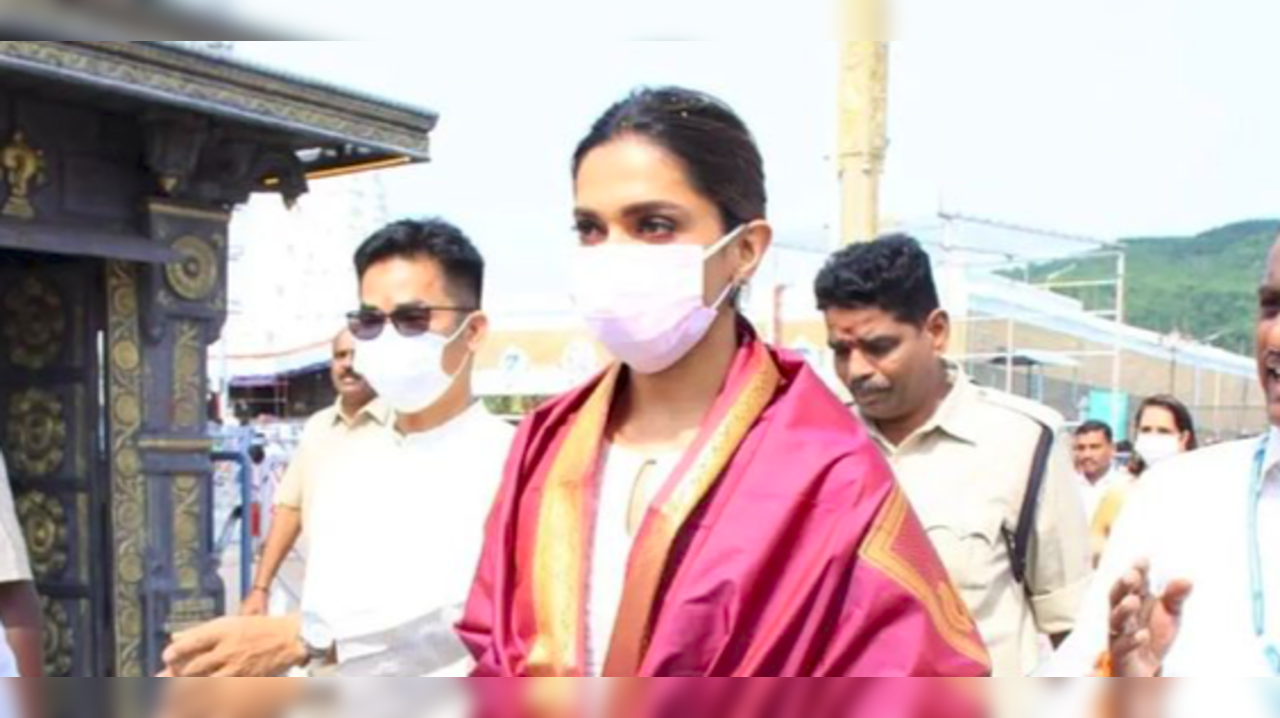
[1255,555]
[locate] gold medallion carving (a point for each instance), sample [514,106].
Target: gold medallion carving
[37,432]
[125,356]
[35,324]
[128,462]
[59,640]
[24,170]
[127,410]
[44,522]
[195,275]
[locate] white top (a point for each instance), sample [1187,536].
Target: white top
[1189,517]
[15,564]
[8,663]
[621,471]
[397,536]
[8,669]
[1091,494]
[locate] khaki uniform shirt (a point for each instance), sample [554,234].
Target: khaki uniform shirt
[15,564]
[327,437]
[966,472]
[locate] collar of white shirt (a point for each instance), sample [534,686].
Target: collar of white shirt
[1271,462]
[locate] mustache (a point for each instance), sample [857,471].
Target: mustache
[869,386]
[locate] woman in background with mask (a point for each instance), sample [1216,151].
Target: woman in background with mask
[1165,429]
[706,506]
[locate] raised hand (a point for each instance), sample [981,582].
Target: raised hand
[1144,626]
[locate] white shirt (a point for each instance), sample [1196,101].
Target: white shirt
[397,536]
[620,469]
[1189,517]
[8,662]
[1092,494]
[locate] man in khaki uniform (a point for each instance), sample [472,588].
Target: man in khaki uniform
[354,419]
[969,458]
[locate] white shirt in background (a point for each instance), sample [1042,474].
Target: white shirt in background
[1190,518]
[1092,494]
[398,529]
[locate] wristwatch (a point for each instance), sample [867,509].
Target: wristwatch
[317,638]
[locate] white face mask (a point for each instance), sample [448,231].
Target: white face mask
[1155,448]
[407,372]
[646,303]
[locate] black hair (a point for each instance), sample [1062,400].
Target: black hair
[892,274]
[1181,416]
[434,239]
[714,145]
[1097,427]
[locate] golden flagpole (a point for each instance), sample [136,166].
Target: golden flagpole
[863,123]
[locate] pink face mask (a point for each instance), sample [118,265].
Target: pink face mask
[645,303]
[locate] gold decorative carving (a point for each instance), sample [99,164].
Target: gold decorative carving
[37,432]
[195,276]
[177,446]
[35,323]
[181,212]
[44,522]
[188,382]
[274,99]
[127,482]
[126,356]
[188,613]
[186,532]
[24,170]
[59,640]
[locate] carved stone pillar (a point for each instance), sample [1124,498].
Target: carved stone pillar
[166,578]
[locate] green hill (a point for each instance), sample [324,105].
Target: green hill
[1203,286]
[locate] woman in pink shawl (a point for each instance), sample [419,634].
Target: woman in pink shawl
[706,506]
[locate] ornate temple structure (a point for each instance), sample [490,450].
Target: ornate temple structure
[120,164]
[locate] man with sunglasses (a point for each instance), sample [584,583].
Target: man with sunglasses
[398,527]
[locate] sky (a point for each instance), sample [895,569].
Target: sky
[1117,119]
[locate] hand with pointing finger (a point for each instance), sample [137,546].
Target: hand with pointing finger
[1144,627]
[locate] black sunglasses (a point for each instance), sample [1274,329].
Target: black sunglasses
[367,324]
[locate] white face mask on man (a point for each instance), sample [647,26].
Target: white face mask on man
[407,372]
[646,304]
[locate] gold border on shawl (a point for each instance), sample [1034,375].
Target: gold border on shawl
[941,602]
[562,542]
